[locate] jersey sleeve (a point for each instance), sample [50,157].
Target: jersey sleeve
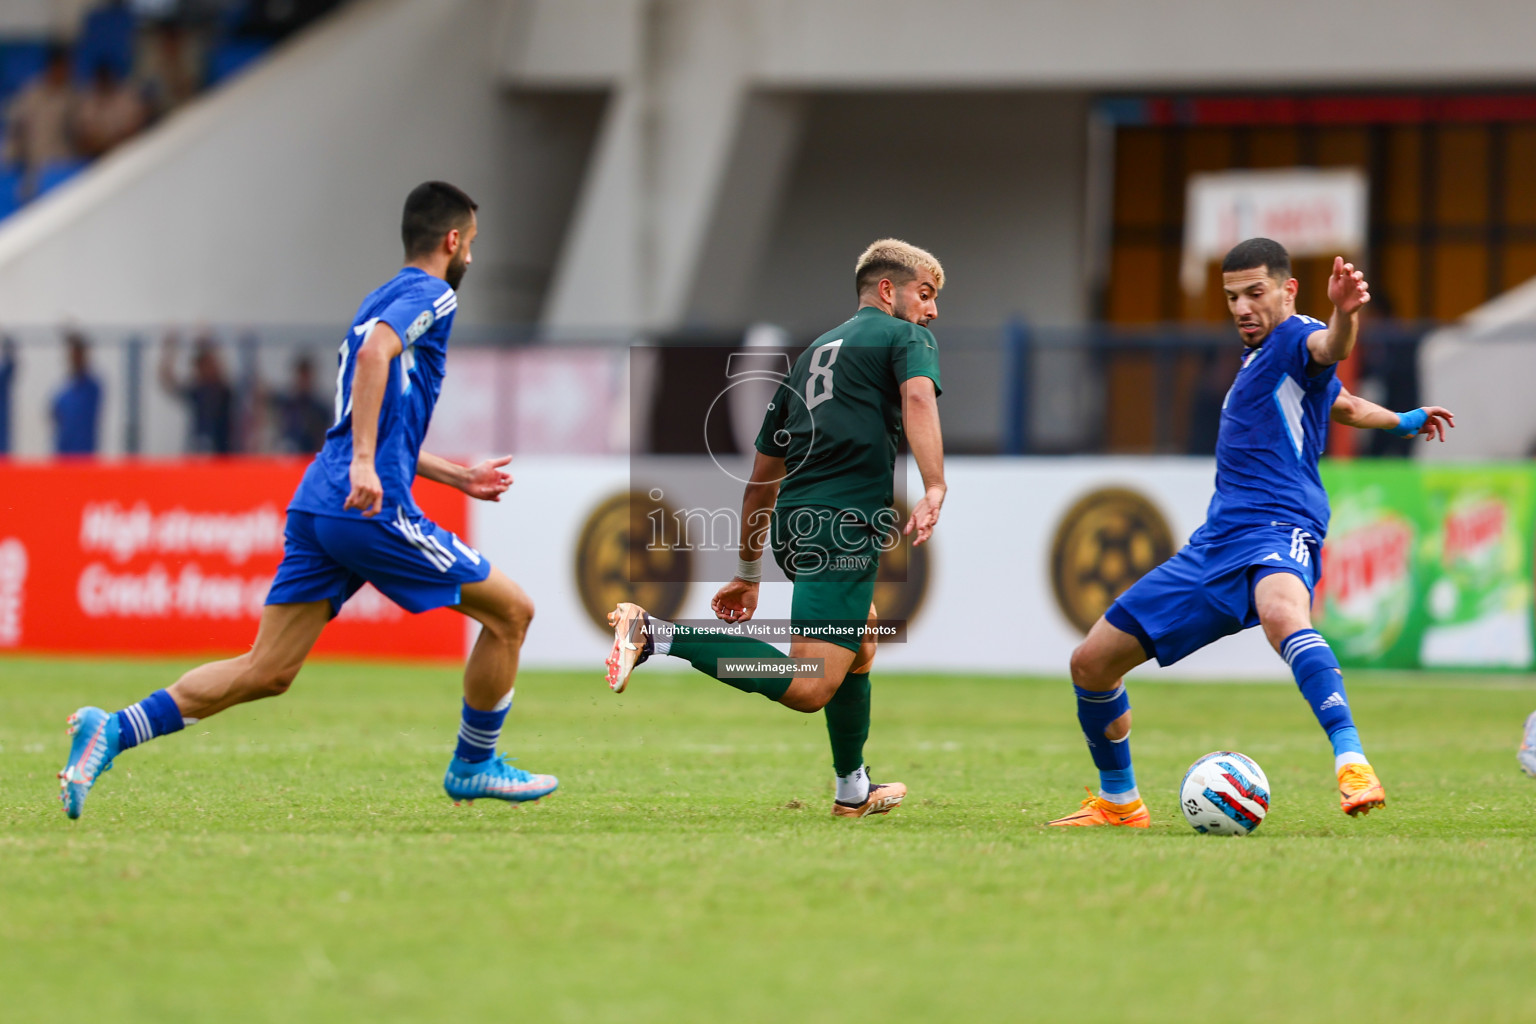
[1335,388]
[1298,357]
[769,439]
[413,314]
[917,355]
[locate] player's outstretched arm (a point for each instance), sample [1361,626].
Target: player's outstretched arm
[369,379]
[920,419]
[487,480]
[1429,422]
[1349,292]
[737,600]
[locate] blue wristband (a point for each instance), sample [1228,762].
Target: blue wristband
[1409,423]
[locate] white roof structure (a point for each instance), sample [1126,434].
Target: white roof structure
[1481,368]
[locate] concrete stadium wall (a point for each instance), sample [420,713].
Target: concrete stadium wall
[618,147]
[688,75]
[33,18]
[992,183]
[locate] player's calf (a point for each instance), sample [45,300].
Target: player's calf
[1321,682]
[638,635]
[1104,714]
[262,681]
[509,620]
[810,694]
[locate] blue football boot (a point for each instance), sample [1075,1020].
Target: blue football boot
[91,751]
[495,779]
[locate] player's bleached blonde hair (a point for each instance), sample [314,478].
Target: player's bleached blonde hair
[890,257]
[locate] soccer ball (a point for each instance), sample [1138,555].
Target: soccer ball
[1225,794]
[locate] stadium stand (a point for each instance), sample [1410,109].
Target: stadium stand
[160,53]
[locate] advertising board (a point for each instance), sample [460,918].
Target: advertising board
[1429,565]
[175,557]
[1424,566]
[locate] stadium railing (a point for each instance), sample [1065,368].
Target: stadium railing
[1009,389]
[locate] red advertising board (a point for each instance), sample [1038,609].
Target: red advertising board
[176,557]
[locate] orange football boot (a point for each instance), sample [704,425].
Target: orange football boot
[1359,790]
[1097,811]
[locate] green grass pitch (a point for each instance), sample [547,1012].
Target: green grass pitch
[296,859]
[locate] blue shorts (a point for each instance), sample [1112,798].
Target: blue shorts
[1205,592]
[412,561]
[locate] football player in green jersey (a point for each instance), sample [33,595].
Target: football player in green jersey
[821,496]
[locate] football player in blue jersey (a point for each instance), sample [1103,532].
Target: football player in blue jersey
[353,521]
[1254,561]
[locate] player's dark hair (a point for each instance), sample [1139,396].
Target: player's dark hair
[433,209]
[1253,253]
[871,274]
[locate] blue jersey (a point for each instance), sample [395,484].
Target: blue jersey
[420,308]
[1274,428]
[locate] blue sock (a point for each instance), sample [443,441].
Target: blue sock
[479,731]
[1321,682]
[153,716]
[1095,710]
[1347,741]
[1119,782]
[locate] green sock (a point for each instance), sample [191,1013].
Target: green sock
[848,723]
[702,648]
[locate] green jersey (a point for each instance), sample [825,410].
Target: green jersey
[836,421]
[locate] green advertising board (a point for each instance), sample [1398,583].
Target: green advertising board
[1429,565]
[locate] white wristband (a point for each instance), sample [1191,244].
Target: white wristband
[750,572]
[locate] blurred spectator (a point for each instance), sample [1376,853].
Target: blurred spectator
[209,398]
[302,418]
[7,374]
[168,67]
[273,19]
[156,10]
[108,113]
[37,122]
[1210,394]
[106,37]
[77,407]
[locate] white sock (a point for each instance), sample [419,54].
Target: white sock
[661,636]
[1348,757]
[1130,796]
[853,788]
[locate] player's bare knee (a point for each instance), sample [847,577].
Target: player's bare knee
[278,682]
[510,624]
[812,702]
[269,679]
[809,699]
[1086,667]
[1280,618]
[522,611]
[864,660]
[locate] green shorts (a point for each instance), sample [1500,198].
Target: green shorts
[832,557]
